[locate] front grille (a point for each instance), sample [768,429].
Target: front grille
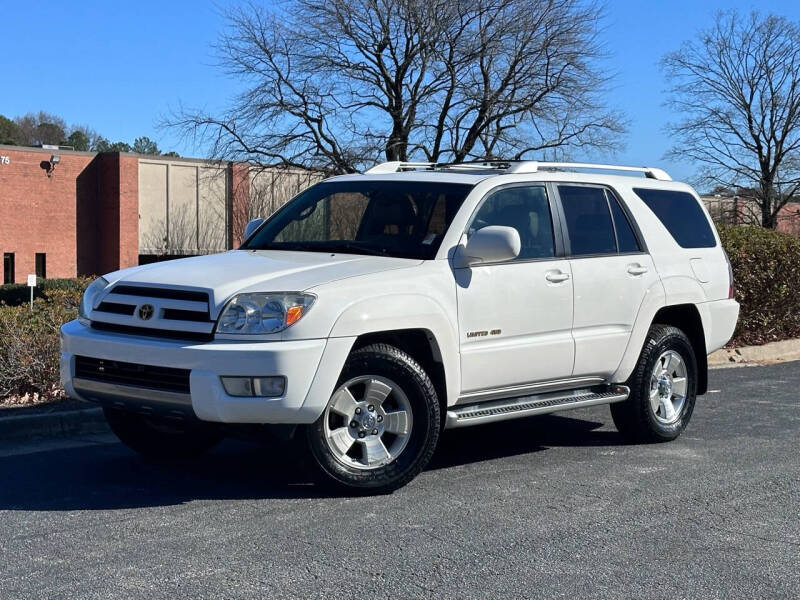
[166,334]
[160,312]
[178,314]
[116,308]
[122,373]
[154,292]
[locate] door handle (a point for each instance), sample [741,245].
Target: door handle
[556,276]
[637,269]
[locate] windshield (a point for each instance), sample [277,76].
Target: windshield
[404,219]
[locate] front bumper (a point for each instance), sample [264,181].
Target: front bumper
[311,368]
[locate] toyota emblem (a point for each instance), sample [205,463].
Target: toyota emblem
[146,311]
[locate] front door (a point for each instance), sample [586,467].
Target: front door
[515,317]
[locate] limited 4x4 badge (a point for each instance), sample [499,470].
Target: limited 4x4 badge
[472,334]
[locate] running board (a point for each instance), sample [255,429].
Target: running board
[514,408]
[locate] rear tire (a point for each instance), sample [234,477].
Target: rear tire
[156,437]
[381,425]
[663,388]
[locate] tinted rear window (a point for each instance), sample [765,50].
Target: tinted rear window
[681,215]
[626,239]
[591,230]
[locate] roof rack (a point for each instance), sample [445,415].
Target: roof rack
[532,166]
[395,166]
[513,166]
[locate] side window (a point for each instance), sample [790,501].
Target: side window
[681,215]
[527,210]
[626,239]
[589,224]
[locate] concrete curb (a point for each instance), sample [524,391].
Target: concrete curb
[774,352]
[78,421]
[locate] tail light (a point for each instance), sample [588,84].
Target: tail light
[731,288]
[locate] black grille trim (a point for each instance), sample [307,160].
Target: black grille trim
[185,336]
[154,292]
[122,373]
[116,308]
[177,314]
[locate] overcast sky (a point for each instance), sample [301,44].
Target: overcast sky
[118,67]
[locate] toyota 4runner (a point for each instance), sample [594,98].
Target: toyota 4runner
[374,310]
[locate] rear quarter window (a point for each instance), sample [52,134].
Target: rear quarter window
[682,215]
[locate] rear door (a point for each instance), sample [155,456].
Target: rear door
[612,273]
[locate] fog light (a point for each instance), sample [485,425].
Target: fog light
[269,386]
[265,387]
[238,386]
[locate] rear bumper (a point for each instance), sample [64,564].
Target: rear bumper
[311,368]
[719,322]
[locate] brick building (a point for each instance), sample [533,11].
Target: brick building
[66,213]
[737,210]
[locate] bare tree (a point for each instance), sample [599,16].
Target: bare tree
[520,78]
[267,189]
[738,87]
[334,85]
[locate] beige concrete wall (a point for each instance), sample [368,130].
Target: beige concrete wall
[212,231]
[186,206]
[152,207]
[272,188]
[183,198]
[182,206]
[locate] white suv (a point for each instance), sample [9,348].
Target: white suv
[374,310]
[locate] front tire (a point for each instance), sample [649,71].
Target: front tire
[663,388]
[381,425]
[160,438]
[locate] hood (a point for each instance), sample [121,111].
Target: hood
[224,275]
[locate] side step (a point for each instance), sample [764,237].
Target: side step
[513,408]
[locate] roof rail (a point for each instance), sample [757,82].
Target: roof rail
[512,166]
[393,166]
[532,166]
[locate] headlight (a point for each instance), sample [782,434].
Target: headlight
[89,296]
[263,313]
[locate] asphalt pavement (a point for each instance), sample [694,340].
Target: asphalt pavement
[545,507]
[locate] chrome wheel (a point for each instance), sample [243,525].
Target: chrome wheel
[668,386]
[367,422]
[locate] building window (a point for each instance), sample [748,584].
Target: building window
[8,267]
[41,265]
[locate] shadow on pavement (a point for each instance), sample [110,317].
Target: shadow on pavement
[519,436]
[109,476]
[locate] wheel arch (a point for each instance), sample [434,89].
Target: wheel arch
[687,318]
[417,324]
[419,343]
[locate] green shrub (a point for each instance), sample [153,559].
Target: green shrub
[766,271]
[15,294]
[30,344]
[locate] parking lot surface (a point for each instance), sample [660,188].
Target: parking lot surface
[547,507]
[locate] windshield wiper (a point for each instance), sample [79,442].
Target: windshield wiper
[333,247]
[359,248]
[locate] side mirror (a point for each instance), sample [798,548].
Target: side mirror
[251,227]
[491,244]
